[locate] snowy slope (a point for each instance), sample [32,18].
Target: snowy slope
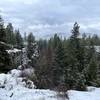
[12,87]
[90,95]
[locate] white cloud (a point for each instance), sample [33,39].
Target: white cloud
[46,17]
[30,2]
[16,20]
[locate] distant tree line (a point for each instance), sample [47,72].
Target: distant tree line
[72,62]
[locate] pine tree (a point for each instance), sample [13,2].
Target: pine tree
[2,31]
[10,36]
[4,57]
[43,68]
[32,49]
[59,61]
[95,39]
[98,76]
[19,40]
[92,72]
[75,61]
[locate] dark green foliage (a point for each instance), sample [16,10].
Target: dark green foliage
[10,35]
[59,61]
[43,69]
[2,31]
[4,57]
[75,61]
[32,49]
[5,63]
[92,72]
[19,40]
[92,65]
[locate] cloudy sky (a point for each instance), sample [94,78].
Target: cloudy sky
[46,17]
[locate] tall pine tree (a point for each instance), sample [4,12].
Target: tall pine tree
[32,49]
[59,61]
[19,39]
[75,61]
[4,57]
[10,36]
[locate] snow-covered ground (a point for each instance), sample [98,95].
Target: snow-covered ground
[13,87]
[94,94]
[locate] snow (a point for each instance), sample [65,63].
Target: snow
[13,50]
[12,80]
[91,88]
[20,93]
[15,72]
[89,95]
[12,87]
[97,48]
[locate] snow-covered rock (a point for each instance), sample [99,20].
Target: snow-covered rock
[13,50]
[2,80]
[15,73]
[13,79]
[29,72]
[91,88]
[26,71]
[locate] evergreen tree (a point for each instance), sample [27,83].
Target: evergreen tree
[19,40]
[43,68]
[4,57]
[95,39]
[75,61]
[32,49]
[2,31]
[92,64]
[10,36]
[92,72]
[59,61]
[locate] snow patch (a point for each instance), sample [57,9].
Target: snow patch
[13,79]
[13,50]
